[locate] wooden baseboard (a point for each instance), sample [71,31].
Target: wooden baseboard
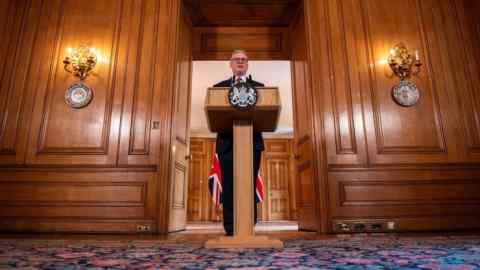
[14,225]
[406,224]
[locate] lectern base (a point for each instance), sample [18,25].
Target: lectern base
[244,242]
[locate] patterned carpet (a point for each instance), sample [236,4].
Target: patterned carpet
[379,252]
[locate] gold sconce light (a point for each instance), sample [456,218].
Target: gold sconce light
[404,65]
[80,61]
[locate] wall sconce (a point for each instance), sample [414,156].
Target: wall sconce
[404,65]
[80,61]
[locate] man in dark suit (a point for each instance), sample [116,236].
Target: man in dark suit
[224,144]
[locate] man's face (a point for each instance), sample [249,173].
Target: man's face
[239,64]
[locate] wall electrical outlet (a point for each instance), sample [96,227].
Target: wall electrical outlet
[343,227]
[143,228]
[364,226]
[391,225]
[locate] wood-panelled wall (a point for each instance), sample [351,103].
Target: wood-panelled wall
[276,169]
[416,166]
[96,168]
[181,126]
[307,198]
[359,155]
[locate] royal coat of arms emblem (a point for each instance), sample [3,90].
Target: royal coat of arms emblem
[242,95]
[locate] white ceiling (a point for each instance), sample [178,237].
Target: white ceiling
[272,73]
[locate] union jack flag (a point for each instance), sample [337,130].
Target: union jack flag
[215,181]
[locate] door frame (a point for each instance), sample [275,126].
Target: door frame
[319,160]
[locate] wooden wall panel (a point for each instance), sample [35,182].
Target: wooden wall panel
[19,32]
[277,170]
[5,9]
[125,83]
[467,29]
[181,124]
[140,128]
[405,194]
[345,136]
[165,78]
[200,206]
[360,88]
[183,82]
[126,198]
[411,165]
[11,14]
[261,43]
[57,136]
[198,169]
[95,169]
[241,13]
[358,107]
[395,128]
[303,114]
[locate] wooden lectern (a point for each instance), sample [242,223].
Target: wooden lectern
[222,117]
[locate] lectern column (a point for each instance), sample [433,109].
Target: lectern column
[243,178]
[244,233]
[222,117]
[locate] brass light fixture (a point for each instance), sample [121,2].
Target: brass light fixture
[80,61]
[403,63]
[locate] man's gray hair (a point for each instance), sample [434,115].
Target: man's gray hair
[238,51]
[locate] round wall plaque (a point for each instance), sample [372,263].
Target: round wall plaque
[405,93]
[78,95]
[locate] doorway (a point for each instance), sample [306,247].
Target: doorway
[278,211]
[273,34]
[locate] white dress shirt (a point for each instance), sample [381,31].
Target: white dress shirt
[243,78]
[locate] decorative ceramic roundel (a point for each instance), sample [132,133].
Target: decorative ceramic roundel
[242,96]
[405,93]
[78,95]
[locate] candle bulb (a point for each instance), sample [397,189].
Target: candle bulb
[417,55]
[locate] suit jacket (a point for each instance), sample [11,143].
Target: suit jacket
[225,140]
